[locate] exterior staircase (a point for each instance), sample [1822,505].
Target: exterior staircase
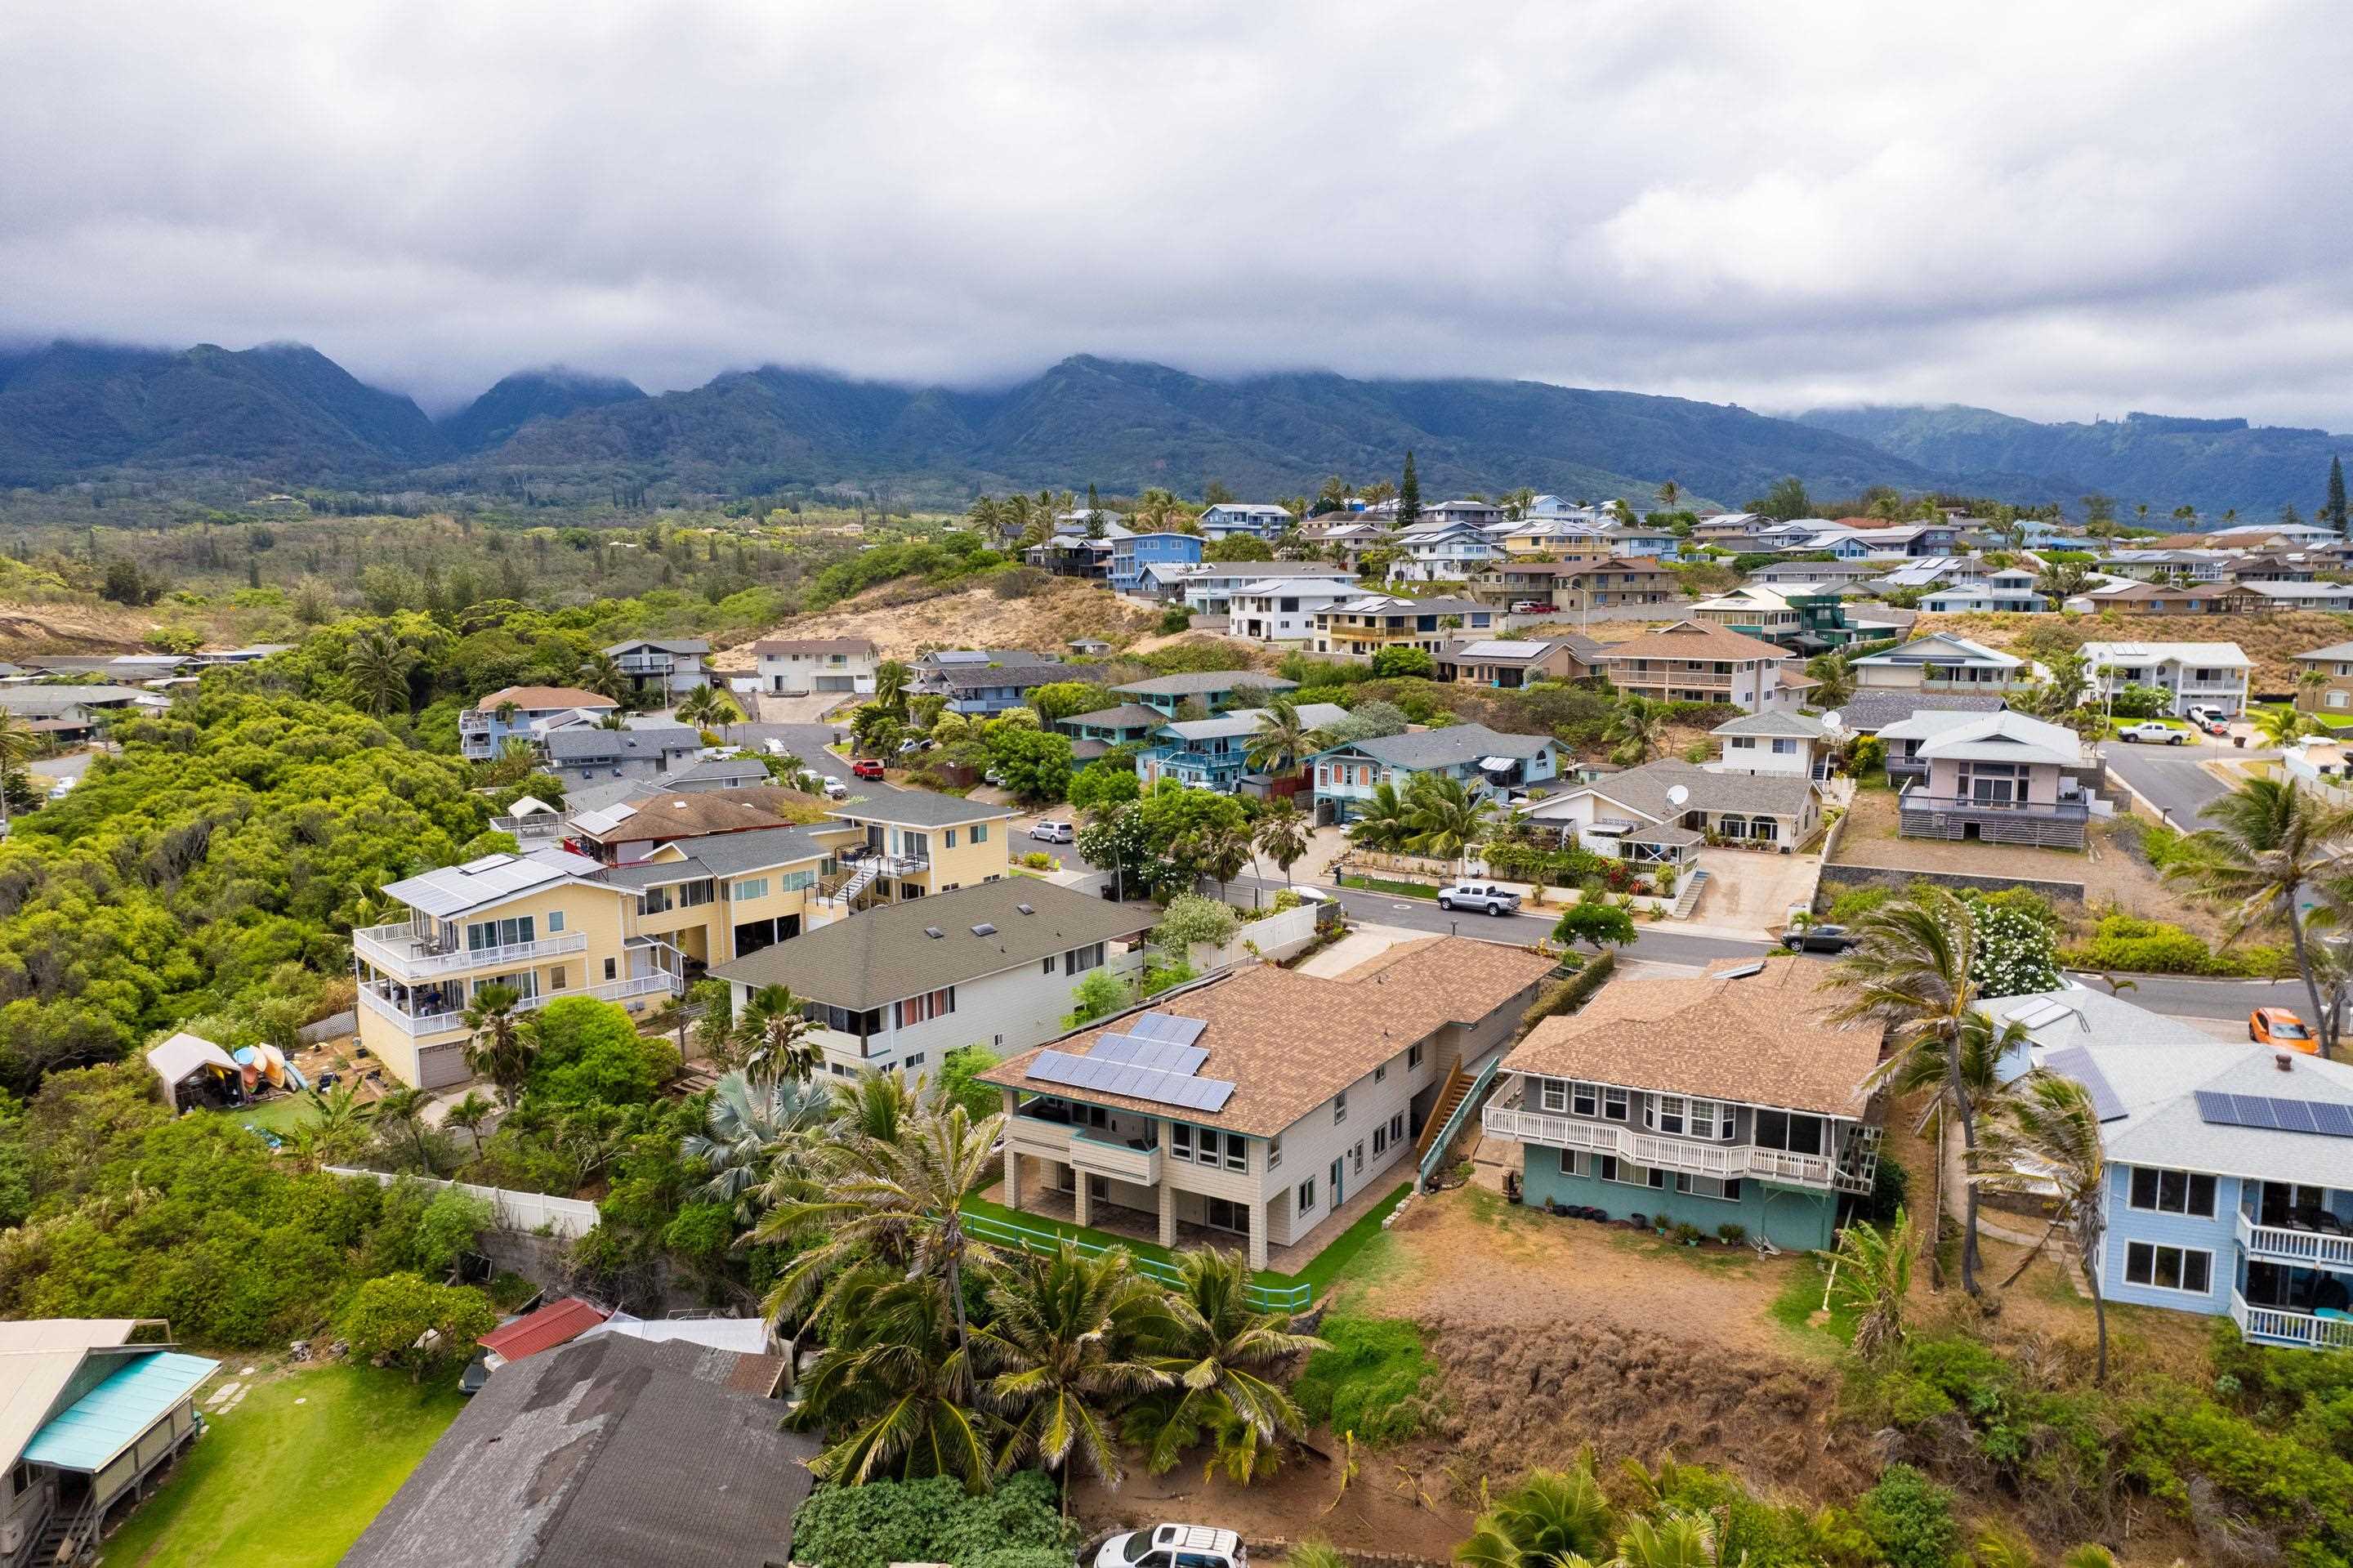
[1449,1097]
[868,872]
[79,1528]
[1687,895]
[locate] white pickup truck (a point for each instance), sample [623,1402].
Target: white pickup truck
[2154,733]
[1484,896]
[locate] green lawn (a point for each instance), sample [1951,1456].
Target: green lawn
[278,1483]
[1383,885]
[280,1115]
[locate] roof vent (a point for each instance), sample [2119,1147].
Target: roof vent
[984,929]
[2283,1062]
[1025,910]
[934,933]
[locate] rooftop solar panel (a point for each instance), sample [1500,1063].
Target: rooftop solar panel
[2294,1116]
[2216,1110]
[1135,1082]
[2336,1120]
[2076,1063]
[2324,1119]
[2254,1110]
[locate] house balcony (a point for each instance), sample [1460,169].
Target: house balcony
[2058,824]
[647,663]
[2294,1247]
[1095,1153]
[2277,1325]
[540,827]
[1721,1160]
[397,951]
[376,1000]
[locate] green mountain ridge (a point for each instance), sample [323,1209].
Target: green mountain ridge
[527,395]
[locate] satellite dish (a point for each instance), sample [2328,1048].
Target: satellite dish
[1833,720]
[1677,795]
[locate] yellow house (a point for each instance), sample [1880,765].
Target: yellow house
[715,899]
[907,843]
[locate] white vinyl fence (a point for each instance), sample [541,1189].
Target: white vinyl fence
[1277,937]
[566,1217]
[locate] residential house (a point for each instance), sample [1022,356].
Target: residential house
[1785,742]
[1238,1130]
[1661,812]
[1257,519]
[665,669]
[992,964]
[2229,1185]
[1130,556]
[582,754]
[1832,575]
[1485,761]
[644,820]
[1213,753]
[911,844]
[803,666]
[987,680]
[2006,590]
[1443,553]
[1093,733]
[2244,597]
[1552,536]
[723,896]
[1692,661]
[2001,777]
[72,712]
[1080,547]
[2134,597]
[1210,588]
[1471,513]
[1942,661]
[1870,711]
[1526,587]
[1510,663]
[1213,689]
[90,1408]
[2189,565]
[524,713]
[1800,618]
[2191,674]
[2333,693]
[1284,610]
[1361,626]
[611,1450]
[1611,582]
[1737,1098]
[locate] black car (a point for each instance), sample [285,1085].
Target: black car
[1819,939]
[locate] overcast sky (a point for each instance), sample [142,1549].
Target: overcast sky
[2061,210]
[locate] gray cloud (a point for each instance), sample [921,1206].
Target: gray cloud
[2061,211]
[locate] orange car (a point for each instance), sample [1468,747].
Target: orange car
[2278,1026]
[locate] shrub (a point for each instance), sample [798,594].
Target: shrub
[931,1520]
[1910,1519]
[1176,619]
[388,1316]
[1731,1235]
[1192,918]
[2121,941]
[1851,903]
[590,1052]
[2016,952]
[1376,1381]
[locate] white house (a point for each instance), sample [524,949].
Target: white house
[2010,589]
[1283,609]
[1942,661]
[1228,518]
[1781,742]
[795,667]
[1443,554]
[2191,674]
[1659,813]
[1485,761]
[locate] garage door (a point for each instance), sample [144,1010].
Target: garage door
[438,1066]
[836,682]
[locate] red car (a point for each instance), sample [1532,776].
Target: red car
[865,768]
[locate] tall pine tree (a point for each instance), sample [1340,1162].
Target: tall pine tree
[2332,514]
[1409,494]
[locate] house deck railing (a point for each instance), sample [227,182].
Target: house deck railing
[395,949]
[1916,797]
[375,1001]
[2282,1244]
[2296,1328]
[1726,1162]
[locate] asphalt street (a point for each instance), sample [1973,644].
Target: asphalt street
[2170,776]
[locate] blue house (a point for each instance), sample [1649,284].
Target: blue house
[1213,689]
[1257,519]
[985,681]
[1210,753]
[1093,733]
[524,713]
[1729,1099]
[2230,1167]
[1488,761]
[1130,556]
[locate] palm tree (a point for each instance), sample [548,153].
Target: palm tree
[747,1129]
[341,1129]
[1638,724]
[2282,726]
[1280,740]
[2310,682]
[1669,493]
[601,673]
[1833,676]
[891,678]
[403,1111]
[896,1380]
[2062,580]
[1217,850]
[1282,836]
[471,1113]
[1682,1538]
[502,1046]
[778,1036]
[874,1105]
[1384,822]
[2270,841]
[1448,821]
[1064,1331]
[17,746]
[1212,1343]
[2043,1135]
[1551,1516]
[1871,1271]
[708,707]
[1910,970]
[377,665]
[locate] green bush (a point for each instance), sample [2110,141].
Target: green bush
[1176,619]
[1377,1380]
[1849,905]
[590,1052]
[1017,1525]
[1910,1519]
[2121,941]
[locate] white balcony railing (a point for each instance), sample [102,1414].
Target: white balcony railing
[444,1023]
[2297,1328]
[1723,1160]
[395,950]
[2278,1244]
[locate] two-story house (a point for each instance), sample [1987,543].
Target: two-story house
[1270,1108]
[2000,777]
[1361,626]
[987,680]
[1213,689]
[1210,588]
[1524,587]
[990,964]
[804,666]
[1733,1099]
[2333,691]
[2008,590]
[1442,553]
[1612,581]
[1284,610]
[591,754]
[1132,556]
[1510,663]
[2229,1166]
[1941,662]
[1213,753]
[1093,733]
[2242,598]
[911,844]
[664,669]
[1803,618]
[1661,812]
[524,713]
[1788,742]
[1485,761]
[1257,519]
[1692,661]
[2191,674]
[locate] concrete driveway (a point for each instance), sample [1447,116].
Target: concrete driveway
[1751,893]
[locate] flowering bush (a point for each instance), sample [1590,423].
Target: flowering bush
[2015,951]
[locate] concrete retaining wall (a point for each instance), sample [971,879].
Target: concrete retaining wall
[1838,876]
[564,1217]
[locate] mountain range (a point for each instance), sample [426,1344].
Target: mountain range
[73,411]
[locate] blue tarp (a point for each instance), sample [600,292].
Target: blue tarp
[110,1417]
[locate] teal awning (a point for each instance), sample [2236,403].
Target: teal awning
[108,1419]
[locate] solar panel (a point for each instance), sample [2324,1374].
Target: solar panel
[2076,1063]
[2042,1013]
[2254,1110]
[1161,1055]
[2216,1110]
[2335,1120]
[1126,1078]
[1170,1026]
[2323,1118]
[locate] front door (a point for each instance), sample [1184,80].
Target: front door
[1336,1190]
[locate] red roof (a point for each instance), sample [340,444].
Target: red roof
[556,1324]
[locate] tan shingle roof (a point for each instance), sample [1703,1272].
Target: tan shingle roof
[1692,639]
[1290,1041]
[1765,1040]
[529,697]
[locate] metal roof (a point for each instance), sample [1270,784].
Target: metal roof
[916,808]
[1445,748]
[108,1419]
[453,889]
[1204,683]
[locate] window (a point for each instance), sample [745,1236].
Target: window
[555,920]
[558,978]
[1553,1095]
[1078,960]
[1358,1154]
[1273,1152]
[2173,1192]
[1237,1152]
[1581,1099]
[1701,1122]
[980,832]
[1664,1112]
[1180,1141]
[1381,1074]
[1613,1104]
[1791,1133]
[914,1059]
[947,839]
[1380,1141]
[1050,962]
[1568,1161]
[1742,743]
[1339,1108]
[704,890]
[1412,1057]
[655,901]
[794,881]
[1709,1187]
[1397,1128]
[1225,1214]
[2169,1267]
[1306,1196]
[930,1005]
[512,932]
[750,888]
[609,968]
[1784,748]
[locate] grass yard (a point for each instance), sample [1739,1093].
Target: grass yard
[292,1476]
[1385,884]
[280,1115]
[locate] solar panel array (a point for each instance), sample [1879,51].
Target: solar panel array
[2325,1117]
[2076,1063]
[1160,1056]
[1114,1077]
[2042,1013]
[1167,1026]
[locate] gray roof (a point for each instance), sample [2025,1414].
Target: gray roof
[980,677]
[917,808]
[1445,748]
[1245,721]
[493,879]
[2333,651]
[668,645]
[52,699]
[885,954]
[1868,712]
[1944,648]
[726,857]
[720,770]
[1644,789]
[1791,724]
[1203,683]
[1126,715]
[591,743]
[609,1451]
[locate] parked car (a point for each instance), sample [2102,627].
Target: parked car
[2155,733]
[2278,1026]
[1531,607]
[1819,939]
[1175,1546]
[1306,895]
[2213,725]
[1481,895]
[867,768]
[2198,713]
[835,789]
[1051,832]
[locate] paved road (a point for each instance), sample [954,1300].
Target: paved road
[807,741]
[2170,776]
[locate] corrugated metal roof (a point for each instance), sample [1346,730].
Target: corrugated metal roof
[453,889]
[108,1419]
[553,1325]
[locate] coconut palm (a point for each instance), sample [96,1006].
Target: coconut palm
[1681,1538]
[602,673]
[873,1105]
[2270,842]
[502,1046]
[708,707]
[1833,676]
[1910,970]
[746,1129]
[1669,493]
[2043,1140]
[1551,1516]
[377,665]
[1216,850]
[403,1112]
[341,1129]
[1280,740]
[1446,820]
[895,1380]
[471,1113]
[1872,1272]
[893,677]
[2062,580]
[1063,1333]
[1984,1044]
[2281,727]
[1384,822]
[1637,727]
[779,1038]
[1212,1344]
[1282,836]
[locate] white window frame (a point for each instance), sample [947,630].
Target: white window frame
[1552,1095]
[2184,1254]
[1584,1099]
[1339,1108]
[1615,1104]
[2189,1179]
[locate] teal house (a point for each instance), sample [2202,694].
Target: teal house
[1729,1099]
